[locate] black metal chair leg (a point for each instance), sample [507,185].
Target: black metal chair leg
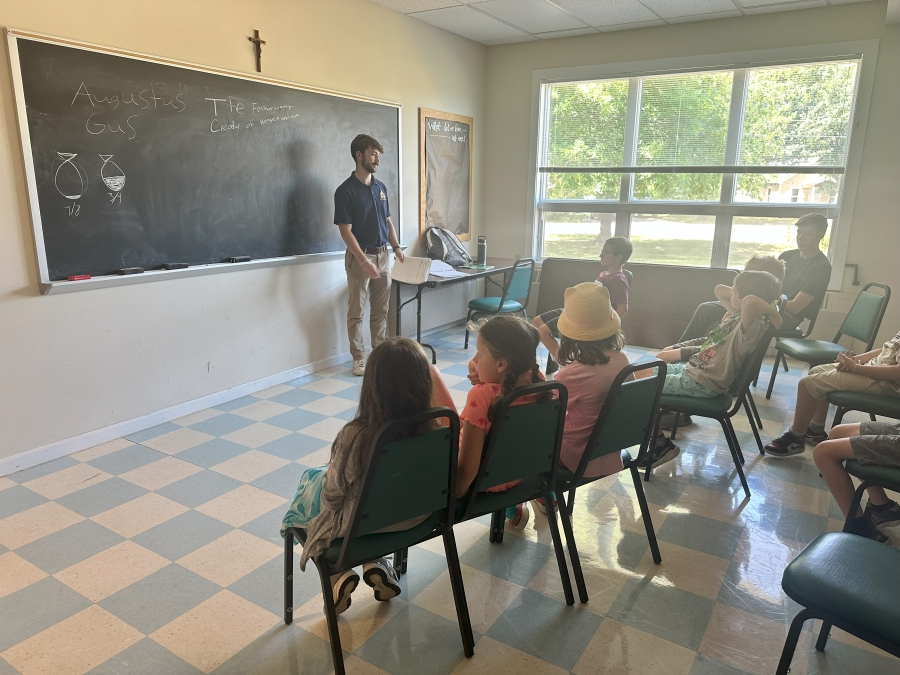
[753,427]
[400,558]
[734,447]
[872,417]
[334,635]
[468,318]
[675,428]
[560,555]
[566,518]
[404,560]
[838,416]
[790,642]
[459,594]
[652,450]
[498,523]
[772,377]
[756,416]
[645,514]
[288,577]
[784,363]
[854,505]
[823,636]
[571,504]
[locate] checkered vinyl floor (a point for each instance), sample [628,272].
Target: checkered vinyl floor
[160,553]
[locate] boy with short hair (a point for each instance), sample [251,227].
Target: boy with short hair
[616,252]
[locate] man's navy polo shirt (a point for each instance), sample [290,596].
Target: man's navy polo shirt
[366,208]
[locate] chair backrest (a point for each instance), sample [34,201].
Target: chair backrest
[518,284]
[406,478]
[524,440]
[629,276]
[628,415]
[750,368]
[864,319]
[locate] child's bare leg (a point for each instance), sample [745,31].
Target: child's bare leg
[808,409]
[830,456]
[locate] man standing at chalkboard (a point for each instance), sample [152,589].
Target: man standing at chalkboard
[362,213]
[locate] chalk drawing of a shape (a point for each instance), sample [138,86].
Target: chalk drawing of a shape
[70,179]
[112,174]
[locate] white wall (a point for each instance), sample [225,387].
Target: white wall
[875,233]
[77,362]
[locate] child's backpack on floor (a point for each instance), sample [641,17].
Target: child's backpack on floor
[441,244]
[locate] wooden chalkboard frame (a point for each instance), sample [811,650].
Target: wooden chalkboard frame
[423,166]
[48,286]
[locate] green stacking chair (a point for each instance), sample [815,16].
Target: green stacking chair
[517,288]
[523,444]
[722,408]
[861,323]
[626,421]
[405,478]
[874,404]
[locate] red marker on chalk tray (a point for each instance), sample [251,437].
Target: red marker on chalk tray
[78,277]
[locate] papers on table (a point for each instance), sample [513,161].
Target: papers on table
[412,271]
[441,269]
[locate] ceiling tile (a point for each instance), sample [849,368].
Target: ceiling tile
[781,7]
[668,9]
[508,41]
[565,33]
[407,6]
[532,16]
[846,2]
[703,17]
[469,23]
[631,26]
[607,12]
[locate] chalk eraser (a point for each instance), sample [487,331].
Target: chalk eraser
[79,277]
[131,270]
[239,258]
[175,266]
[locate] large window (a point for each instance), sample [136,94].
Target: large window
[696,168]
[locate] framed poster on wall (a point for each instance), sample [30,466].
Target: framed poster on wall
[445,172]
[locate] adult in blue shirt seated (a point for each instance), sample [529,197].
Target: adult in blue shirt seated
[362,213]
[806,274]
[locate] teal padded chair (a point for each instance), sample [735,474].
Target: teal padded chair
[861,323]
[405,478]
[722,408]
[517,288]
[626,421]
[523,444]
[874,404]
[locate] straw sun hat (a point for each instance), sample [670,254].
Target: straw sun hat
[587,313]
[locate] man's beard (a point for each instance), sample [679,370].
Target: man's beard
[371,168]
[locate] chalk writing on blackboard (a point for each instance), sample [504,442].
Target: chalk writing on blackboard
[70,179]
[114,178]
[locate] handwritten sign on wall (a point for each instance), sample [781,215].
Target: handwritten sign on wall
[445,172]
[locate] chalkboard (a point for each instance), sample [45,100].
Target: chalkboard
[132,162]
[445,172]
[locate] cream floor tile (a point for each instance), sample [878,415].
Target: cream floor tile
[256,435]
[834,525]
[727,507]
[327,386]
[197,417]
[493,657]
[686,569]
[6,483]
[273,391]
[215,630]
[751,642]
[491,596]
[17,573]
[320,457]
[158,474]
[617,649]
[603,582]
[356,666]
[66,481]
[230,557]
[852,640]
[329,405]
[326,429]
[466,534]
[766,551]
[795,496]
[250,466]
[451,380]
[138,515]
[241,505]
[177,441]
[621,511]
[102,449]
[111,570]
[73,646]
[262,410]
[335,370]
[28,526]
[356,625]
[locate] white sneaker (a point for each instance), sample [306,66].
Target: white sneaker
[359,367]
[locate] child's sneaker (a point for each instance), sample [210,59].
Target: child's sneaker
[887,516]
[522,516]
[814,437]
[785,445]
[342,586]
[667,421]
[541,505]
[382,577]
[665,451]
[864,527]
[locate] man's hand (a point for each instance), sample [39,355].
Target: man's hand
[370,269]
[398,252]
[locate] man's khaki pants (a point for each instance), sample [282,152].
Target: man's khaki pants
[379,293]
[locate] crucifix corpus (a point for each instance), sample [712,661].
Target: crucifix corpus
[258,44]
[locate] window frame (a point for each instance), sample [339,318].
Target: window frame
[725,209]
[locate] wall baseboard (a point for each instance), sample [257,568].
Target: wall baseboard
[46,453]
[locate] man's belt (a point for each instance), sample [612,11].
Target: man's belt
[374,250]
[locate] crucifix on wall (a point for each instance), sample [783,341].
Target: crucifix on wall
[258,44]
